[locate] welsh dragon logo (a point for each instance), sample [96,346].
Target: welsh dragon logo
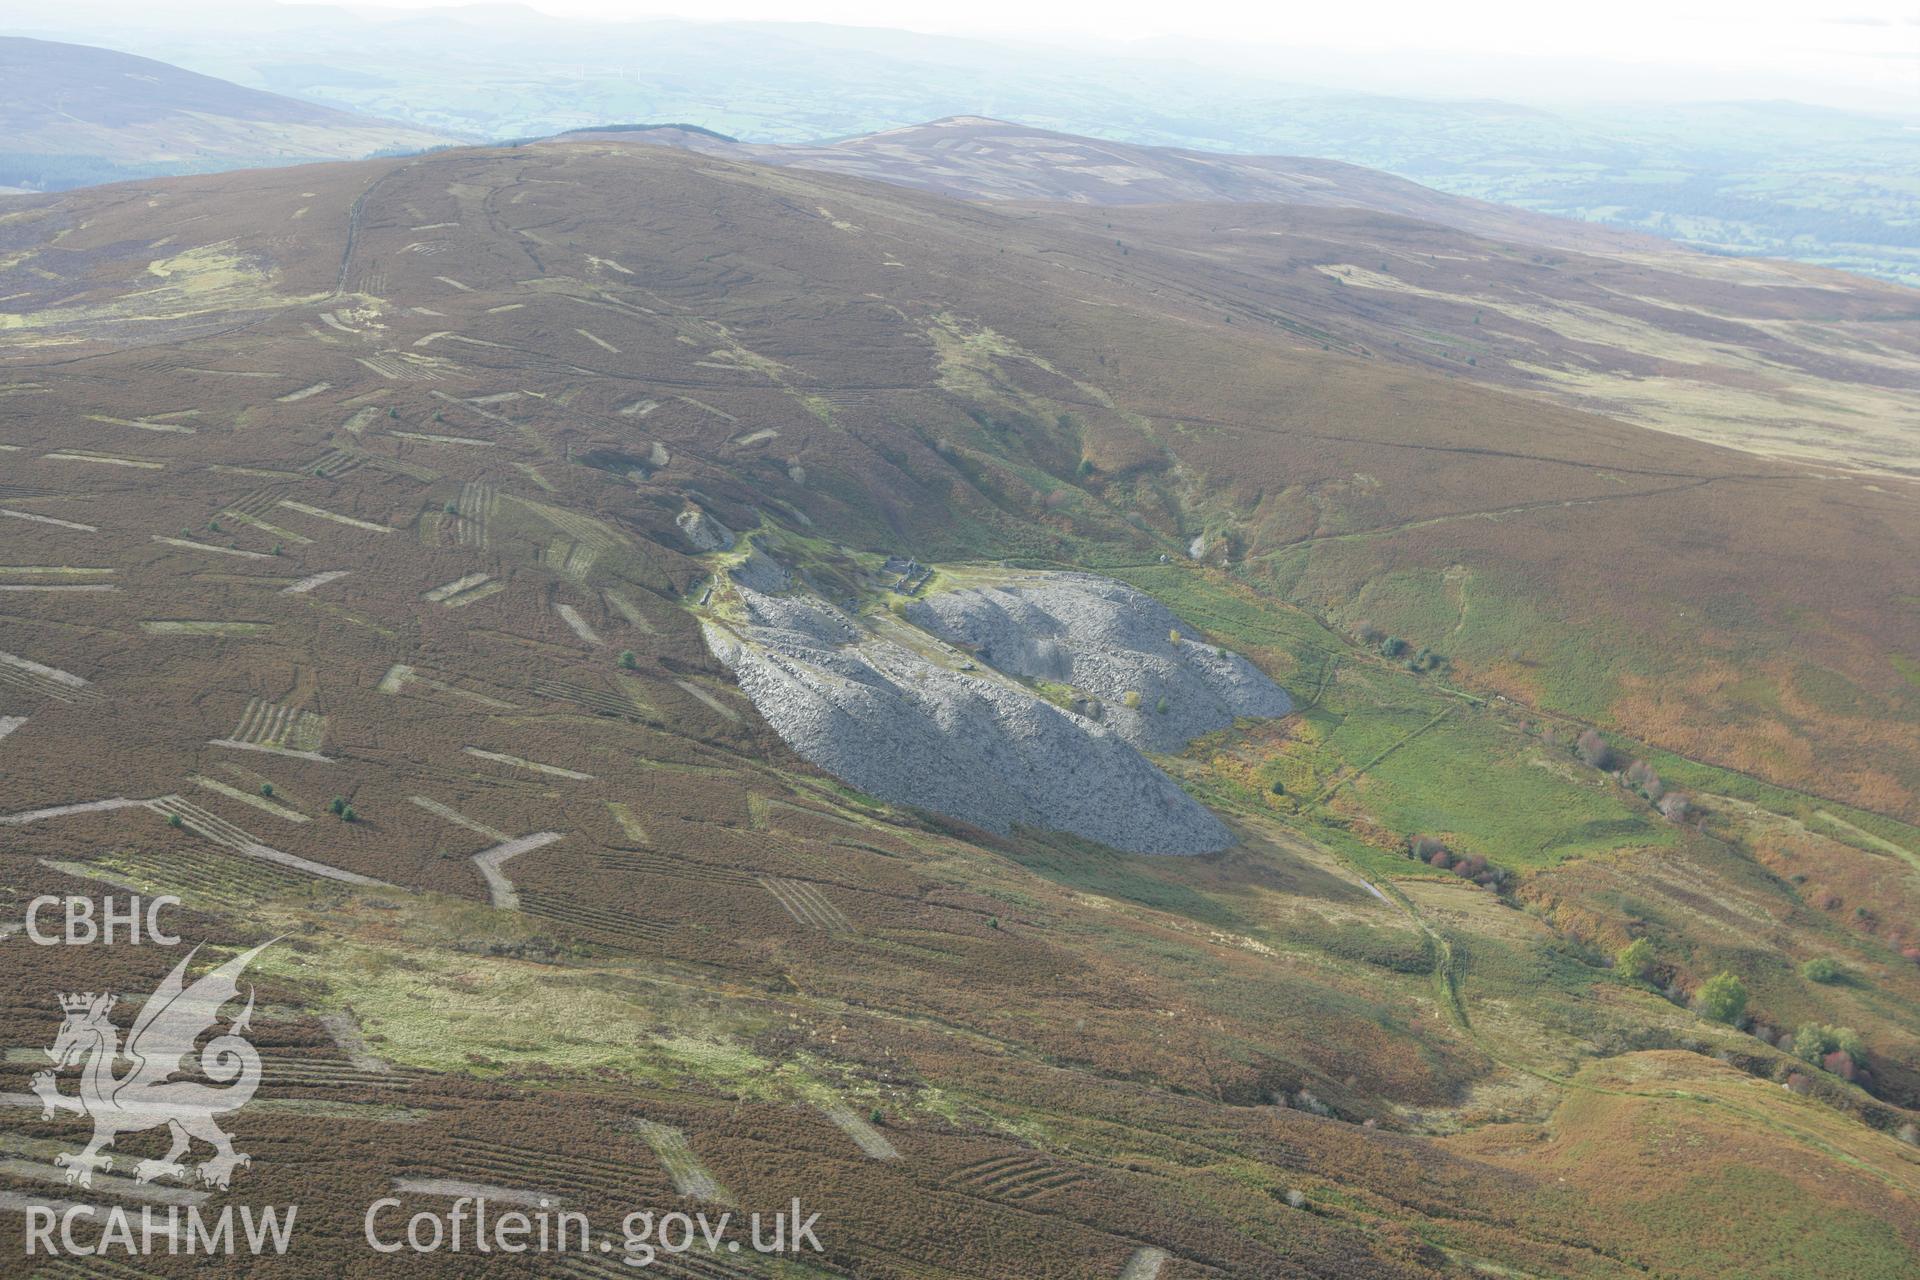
[145,1095]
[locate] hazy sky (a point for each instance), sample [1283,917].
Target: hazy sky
[1849,48]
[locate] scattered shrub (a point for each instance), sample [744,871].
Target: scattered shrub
[338,806]
[1367,633]
[1595,750]
[1675,807]
[1425,660]
[1424,847]
[1816,1040]
[1392,647]
[628,660]
[266,788]
[1173,637]
[1163,706]
[1723,998]
[1635,961]
[348,815]
[1441,859]
[1820,969]
[1642,778]
[173,820]
[1131,699]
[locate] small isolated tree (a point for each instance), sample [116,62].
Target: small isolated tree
[628,660]
[1131,699]
[1594,749]
[1723,998]
[1173,637]
[279,548]
[877,1116]
[1635,960]
[1820,969]
[266,788]
[338,806]
[348,815]
[1641,776]
[451,508]
[1392,647]
[1163,706]
[173,820]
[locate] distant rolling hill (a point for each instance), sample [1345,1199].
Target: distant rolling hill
[976,158]
[72,115]
[1365,263]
